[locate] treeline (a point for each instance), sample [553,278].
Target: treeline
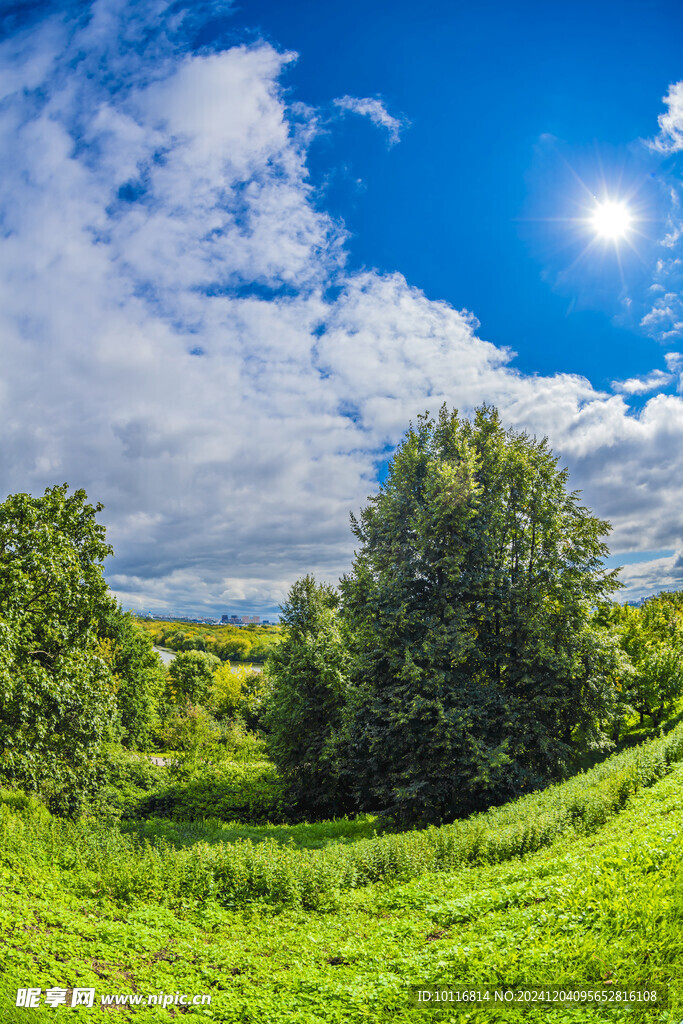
[229,643]
[471,655]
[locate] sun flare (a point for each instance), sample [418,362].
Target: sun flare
[611,220]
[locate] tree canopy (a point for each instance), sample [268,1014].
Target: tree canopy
[191,676]
[56,692]
[469,603]
[307,676]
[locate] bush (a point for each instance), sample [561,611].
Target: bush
[189,729]
[228,790]
[130,778]
[237,694]
[236,743]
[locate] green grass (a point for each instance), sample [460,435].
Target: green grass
[103,859]
[333,922]
[304,836]
[606,906]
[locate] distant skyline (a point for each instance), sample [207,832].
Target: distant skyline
[242,247]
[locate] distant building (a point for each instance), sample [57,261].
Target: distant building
[225,619]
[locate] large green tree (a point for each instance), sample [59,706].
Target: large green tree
[56,692]
[475,658]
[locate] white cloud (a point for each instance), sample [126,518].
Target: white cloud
[377,112]
[670,138]
[646,578]
[653,381]
[181,336]
[664,320]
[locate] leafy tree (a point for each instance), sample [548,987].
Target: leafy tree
[236,647]
[469,601]
[56,692]
[308,680]
[652,637]
[138,673]
[191,675]
[226,692]
[237,695]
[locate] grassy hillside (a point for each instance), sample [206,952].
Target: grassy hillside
[580,884]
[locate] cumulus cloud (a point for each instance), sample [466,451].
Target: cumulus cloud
[181,335]
[664,319]
[642,579]
[376,111]
[670,137]
[653,381]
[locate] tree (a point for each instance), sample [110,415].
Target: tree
[138,673]
[307,673]
[237,694]
[191,675]
[469,600]
[56,693]
[237,648]
[652,637]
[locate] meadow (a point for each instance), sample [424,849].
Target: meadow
[335,921]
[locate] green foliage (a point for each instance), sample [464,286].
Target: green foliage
[652,638]
[237,743]
[226,692]
[56,692]
[246,790]
[130,779]
[189,728]
[303,835]
[237,693]
[137,670]
[237,648]
[229,643]
[191,675]
[307,673]
[601,909]
[241,872]
[475,660]
[81,900]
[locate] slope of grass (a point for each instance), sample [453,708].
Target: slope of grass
[602,907]
[304,836]
[103,860]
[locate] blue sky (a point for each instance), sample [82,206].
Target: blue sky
[243,246]
[505,103]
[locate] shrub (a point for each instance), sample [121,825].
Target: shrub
[237,694]
[130,779]
[228,790]
[189,729]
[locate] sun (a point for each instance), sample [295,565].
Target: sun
[611,220]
